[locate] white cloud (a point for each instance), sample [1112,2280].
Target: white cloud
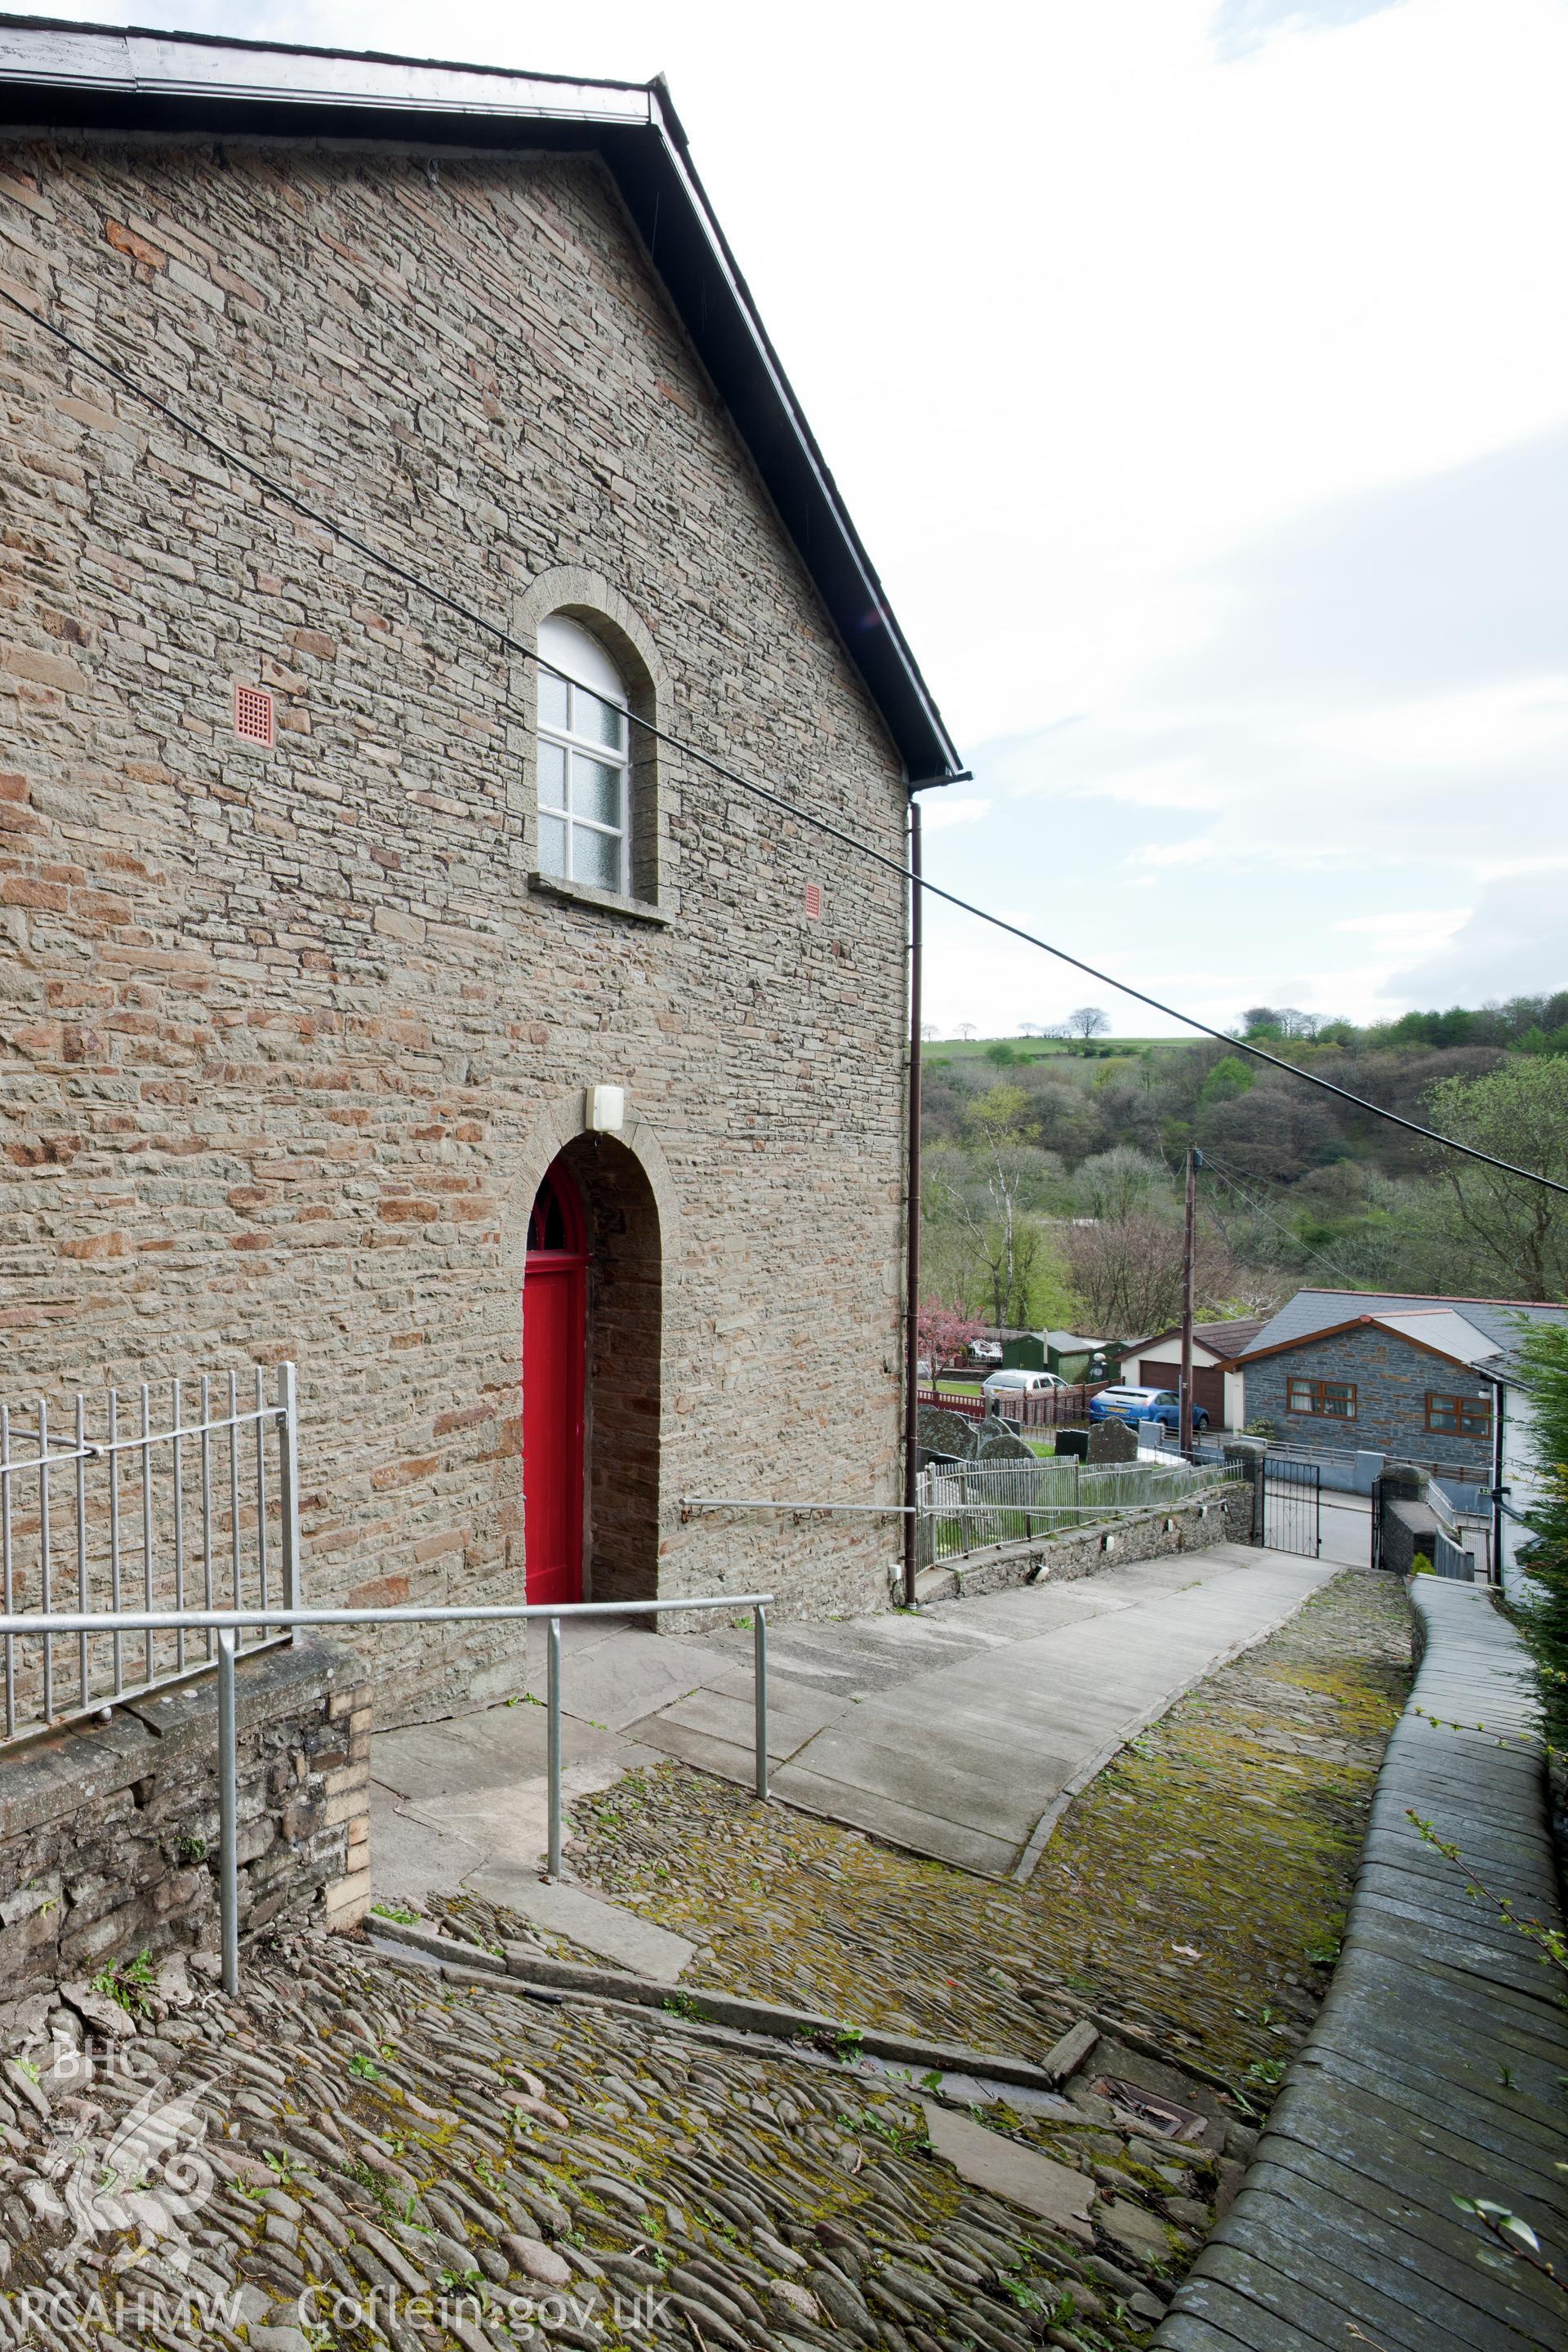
[1228,519]
[1408,929]
[1512,944]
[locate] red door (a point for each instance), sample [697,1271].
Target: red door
[554,1328]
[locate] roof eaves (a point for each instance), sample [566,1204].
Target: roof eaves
[1355,1323]
[136,76]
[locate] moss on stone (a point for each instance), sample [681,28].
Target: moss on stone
[1197,1889]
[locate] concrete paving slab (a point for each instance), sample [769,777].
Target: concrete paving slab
[1055,2193]
[617,1681]
[489,1750]
[793,1718]
[609,1928]
[974,1794]
[966,1848]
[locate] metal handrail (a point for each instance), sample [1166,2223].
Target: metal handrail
[227,1622]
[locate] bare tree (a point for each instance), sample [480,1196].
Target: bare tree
[930,1030]
[1000,1238]
[1088,1022]
[1126,1271]
[966,1029]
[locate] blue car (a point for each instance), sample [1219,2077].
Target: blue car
[1163,1405]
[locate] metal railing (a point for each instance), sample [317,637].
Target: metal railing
[121,1516]
[226,1625]
[1450,1559]
[967,1506]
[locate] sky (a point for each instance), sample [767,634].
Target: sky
[1196,372]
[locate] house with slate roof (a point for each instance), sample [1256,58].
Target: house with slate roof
[1423,1379]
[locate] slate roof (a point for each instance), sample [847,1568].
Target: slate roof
[1227,1339]
[1494,1322]
[57,74]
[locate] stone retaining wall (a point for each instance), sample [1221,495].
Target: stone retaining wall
[1435,2069]
[109,1831]
[1224,1515]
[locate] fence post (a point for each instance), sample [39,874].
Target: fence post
[553,1751]
[760,1676]
[227,1812]
[289,1482]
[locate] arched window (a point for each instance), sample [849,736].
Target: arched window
[585,796]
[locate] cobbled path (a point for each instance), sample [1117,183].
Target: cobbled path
[1197,1889]
[362,2152]
[361,2135]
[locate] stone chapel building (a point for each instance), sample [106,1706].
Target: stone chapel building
[370,998]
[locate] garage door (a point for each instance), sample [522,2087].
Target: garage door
[1208,1383]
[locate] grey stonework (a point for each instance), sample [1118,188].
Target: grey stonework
[108,1833]
[1391,1380]
[292,1039]
[1224,1516]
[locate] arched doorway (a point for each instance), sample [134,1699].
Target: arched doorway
[554,1387]
[591,1348]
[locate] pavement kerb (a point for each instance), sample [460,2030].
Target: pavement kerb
[1045,1828]
[1280,2274]
[525,1971]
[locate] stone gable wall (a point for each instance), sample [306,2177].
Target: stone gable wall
[1391,1381]
[290,1037]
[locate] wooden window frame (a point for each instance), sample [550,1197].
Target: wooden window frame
[1470,1416]
[1318,1409]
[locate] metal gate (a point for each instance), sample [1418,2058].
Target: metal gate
[1292,1505]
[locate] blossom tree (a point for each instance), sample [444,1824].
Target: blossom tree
[944,1331]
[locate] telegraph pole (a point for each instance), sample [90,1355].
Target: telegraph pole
[1189,1229]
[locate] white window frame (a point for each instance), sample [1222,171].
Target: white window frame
[595,684]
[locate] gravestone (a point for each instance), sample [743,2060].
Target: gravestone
[952,1433]
[999,1443]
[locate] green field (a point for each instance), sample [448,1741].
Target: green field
[1038,1049]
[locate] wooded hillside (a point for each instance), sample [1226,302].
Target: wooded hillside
[1053,1167]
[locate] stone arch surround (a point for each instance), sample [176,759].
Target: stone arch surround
[633,1226]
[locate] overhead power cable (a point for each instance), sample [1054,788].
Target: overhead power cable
[1237,1185]
[503,638]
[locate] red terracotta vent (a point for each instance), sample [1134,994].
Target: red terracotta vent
[814,902]
[253,714]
